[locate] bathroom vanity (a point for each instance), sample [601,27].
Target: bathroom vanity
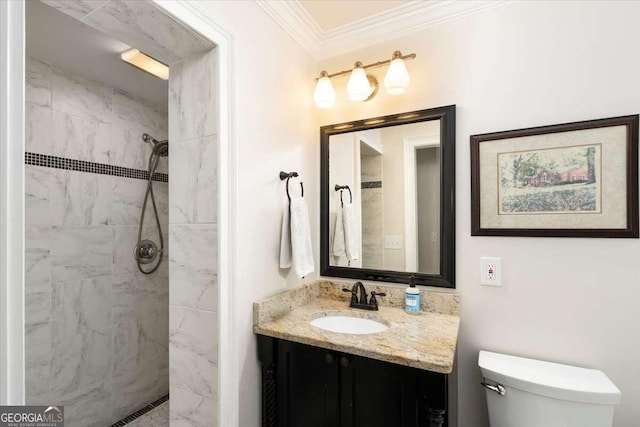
[333,359]
[316,377]
[311,386]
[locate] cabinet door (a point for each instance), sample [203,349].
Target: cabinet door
[377,394]
[307,390]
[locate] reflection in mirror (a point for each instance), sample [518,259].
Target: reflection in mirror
[385,198]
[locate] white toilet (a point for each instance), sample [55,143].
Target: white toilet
[531,393]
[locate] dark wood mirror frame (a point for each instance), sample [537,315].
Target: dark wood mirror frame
[446,278]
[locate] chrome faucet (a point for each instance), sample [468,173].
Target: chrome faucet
[362,301]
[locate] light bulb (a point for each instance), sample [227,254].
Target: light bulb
[397,78]
[324,96]
[358,88]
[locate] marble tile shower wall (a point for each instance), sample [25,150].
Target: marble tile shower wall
[97,330]
[372,212]
[193,239]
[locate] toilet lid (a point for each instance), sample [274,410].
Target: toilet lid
[549,379]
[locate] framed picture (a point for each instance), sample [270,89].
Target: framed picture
[570,180]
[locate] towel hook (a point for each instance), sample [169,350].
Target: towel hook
[287,176]
[343,187]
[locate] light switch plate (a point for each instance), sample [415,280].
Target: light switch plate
[491,271]
[393,242]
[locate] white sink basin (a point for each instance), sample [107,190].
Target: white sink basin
[349,325]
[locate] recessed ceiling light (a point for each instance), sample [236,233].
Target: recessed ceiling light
[145,63]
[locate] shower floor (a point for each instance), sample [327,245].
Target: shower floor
[157,417]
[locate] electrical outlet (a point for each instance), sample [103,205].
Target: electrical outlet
[491,271]
[393,242]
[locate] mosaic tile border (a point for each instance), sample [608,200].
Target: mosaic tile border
[45,160]
[141,412]
[371,184]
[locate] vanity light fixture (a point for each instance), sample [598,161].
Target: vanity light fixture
[358,88]
[145,63]
[362,86]
[397,78]
[324,96]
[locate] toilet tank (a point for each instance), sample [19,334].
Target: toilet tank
[545,394]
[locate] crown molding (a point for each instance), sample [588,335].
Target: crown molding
[296,21]
[391,24]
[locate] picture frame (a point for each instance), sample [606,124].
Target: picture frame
[575,179]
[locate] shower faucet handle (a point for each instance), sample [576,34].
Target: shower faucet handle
[145,251]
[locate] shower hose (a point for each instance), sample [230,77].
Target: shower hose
[153,164]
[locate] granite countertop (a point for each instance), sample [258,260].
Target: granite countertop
[425,341]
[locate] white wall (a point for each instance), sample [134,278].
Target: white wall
[393,172]
[276,130]
[428,206]
[529,64]
[392,196]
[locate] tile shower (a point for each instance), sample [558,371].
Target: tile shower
[372,208]
[110,136]
[193,237]
[97,330]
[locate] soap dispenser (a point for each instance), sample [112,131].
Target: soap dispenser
[412,297]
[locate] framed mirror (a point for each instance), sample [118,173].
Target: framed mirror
[388,198]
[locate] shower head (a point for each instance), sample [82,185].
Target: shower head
[160,148]
[149,139]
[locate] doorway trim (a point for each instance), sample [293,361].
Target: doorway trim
[12,364]
[195,17]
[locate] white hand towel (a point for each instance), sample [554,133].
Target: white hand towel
[285,240]
[301,238]
[338,236]
[350,232]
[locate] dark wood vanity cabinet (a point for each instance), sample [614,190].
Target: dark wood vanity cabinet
[306,386]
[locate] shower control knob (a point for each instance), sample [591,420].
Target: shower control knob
[145,251]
